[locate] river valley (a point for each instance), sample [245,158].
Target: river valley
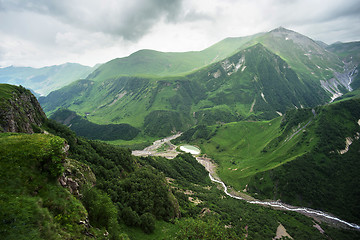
[169,151]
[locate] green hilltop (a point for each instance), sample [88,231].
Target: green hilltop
[155,63]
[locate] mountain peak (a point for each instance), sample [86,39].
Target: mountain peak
[282,30]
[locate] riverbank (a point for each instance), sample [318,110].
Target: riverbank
[210,166]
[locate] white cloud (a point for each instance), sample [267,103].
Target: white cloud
[46,32]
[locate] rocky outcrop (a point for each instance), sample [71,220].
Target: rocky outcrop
[75,176]
[19,110]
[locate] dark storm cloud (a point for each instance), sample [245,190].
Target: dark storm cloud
[128,19]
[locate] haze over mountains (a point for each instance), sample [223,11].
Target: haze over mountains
[256,77]
[44,80]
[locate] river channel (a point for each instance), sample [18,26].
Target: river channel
[211,168]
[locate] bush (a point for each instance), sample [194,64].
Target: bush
[130,217]
[147,222]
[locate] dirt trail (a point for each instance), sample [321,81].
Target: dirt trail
[152,150]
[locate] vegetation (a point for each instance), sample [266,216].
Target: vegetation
[134,191]
[290,158]
[252,84]
[323,173]
[82,127]
[32,204]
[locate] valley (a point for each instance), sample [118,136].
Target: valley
[211,168]
[251,138]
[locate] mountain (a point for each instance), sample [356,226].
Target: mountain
[155,63]
[61,186]
[81,127]
[350,54]
[254,83]
[304,158]
[255,78]
[19,110]
[44,80]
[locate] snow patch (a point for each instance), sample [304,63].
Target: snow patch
[343,79]
[359,122]
[253,104]
[231,67]
[118,97]
[243,68]
[348,142]
[263,97]
[280,114]
[217,74]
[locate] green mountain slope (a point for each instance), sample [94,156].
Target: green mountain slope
[347,51]
[46,79]
[154,63]
[81,127]
[253,83]
[304,158]
[309,59]
[46,194]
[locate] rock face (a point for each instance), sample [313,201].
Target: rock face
[19,110]
[76,176]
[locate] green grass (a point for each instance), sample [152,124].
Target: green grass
[155,63]
[6,91]
[240,149]
[163,230]
[31,200]
[160,105]
[138,143]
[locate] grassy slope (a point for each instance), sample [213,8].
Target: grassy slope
[31,200]
[6,91]
[305,56]
[197,98]
[150,62]
[306,170]
[238,149]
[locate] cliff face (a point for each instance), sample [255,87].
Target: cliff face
[19,110]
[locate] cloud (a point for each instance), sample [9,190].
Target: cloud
[128,19]
[45,32]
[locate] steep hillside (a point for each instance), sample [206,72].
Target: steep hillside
[346,51]
[19,110]
[310,60]
[304,158]
[46,79]
[253,83]
[32,204]
[154,63]
[48,191]
[350,54]
[81,127]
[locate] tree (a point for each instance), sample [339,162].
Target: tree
[147,222]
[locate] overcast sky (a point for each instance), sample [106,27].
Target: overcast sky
[46,32]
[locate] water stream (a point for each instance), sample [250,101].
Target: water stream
[287,207]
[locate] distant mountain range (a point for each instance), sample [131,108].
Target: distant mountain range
[44,80]
[252,78]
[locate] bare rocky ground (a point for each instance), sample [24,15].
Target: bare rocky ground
[153,150]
